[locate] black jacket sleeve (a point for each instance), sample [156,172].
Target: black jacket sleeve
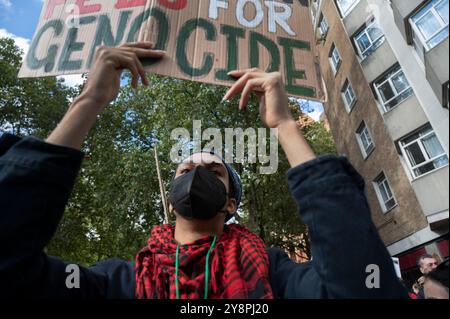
[36,179]
[349,260]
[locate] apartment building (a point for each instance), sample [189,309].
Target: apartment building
[385,65]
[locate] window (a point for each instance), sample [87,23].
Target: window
[430,24]
[315,7]
[384,193]
[393,88]
[348,95]
[335,58]
[365,140]
[368,40]
[324,27]
[345,6]
[423,152]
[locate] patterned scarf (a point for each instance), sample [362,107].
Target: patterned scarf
[239,266]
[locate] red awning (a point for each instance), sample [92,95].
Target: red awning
[443,247]
[409,260]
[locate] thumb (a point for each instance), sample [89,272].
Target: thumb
[262,109]
[262,100]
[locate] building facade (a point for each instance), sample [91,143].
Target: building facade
[385,67]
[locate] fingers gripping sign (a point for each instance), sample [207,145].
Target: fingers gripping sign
[104,79]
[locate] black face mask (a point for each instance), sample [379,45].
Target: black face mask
[198,194]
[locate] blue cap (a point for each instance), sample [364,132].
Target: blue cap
[237,185]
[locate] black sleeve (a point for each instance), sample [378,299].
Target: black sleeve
[346,247]
[36,180]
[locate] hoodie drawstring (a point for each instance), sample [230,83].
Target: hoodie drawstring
[177,266]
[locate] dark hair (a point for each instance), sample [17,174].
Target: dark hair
[422,257]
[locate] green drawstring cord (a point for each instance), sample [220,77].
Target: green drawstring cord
[177,266]
[207,267]
[176,272]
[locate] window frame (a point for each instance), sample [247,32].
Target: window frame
[315,10]
[322,19]
[331,58]
[349,10]
[345,88]
[372,42]
[365,152]
[416,30]
[424,151]
[382,179]
[378,83]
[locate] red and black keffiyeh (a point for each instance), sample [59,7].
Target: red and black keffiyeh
[239,266]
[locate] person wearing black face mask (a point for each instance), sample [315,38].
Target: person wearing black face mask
[198,194]
[200,256]
[204,195]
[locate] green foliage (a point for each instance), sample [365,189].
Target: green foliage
[28,106]
[320,139]
[116,199]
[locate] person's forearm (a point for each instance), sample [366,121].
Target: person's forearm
[344,241]
[76,124]
[294,144]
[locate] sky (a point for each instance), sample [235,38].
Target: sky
[19,18]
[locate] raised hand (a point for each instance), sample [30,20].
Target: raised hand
[101,88]
[103,83]
[274,108]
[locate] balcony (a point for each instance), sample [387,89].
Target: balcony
[357,17]
[435,60]
[432,191]
[378,62]
[402,12]
[437,70]
[404,118]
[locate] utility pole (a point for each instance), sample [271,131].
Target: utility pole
[162,188]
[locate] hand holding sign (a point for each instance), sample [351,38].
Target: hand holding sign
[103,84]
[274,109]
[101,88]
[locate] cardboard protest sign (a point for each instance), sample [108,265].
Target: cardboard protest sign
[204,39]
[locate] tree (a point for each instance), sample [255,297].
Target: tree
[116,199]
[28,106]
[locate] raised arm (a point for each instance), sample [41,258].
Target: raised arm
[37,177]
[346,247]
[101,88]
